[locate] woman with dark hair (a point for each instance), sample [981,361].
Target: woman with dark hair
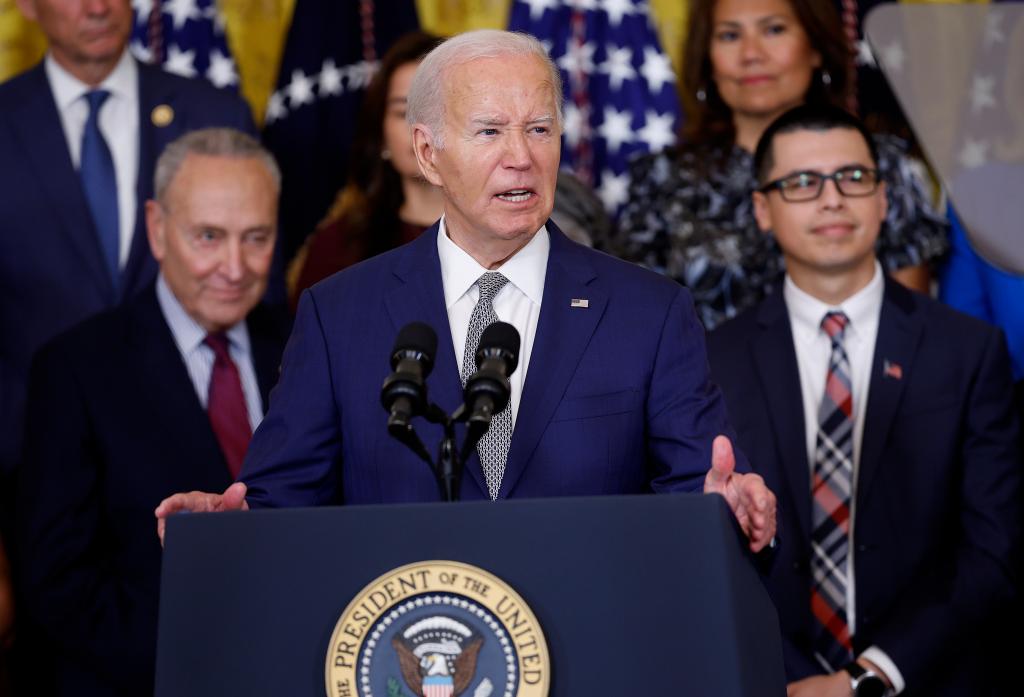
[386,201]
[690,214]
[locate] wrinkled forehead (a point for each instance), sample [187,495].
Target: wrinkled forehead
[511,86]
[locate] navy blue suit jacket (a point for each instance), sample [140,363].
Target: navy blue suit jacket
[52,269]
[114,426]
[617,398]
[938,495]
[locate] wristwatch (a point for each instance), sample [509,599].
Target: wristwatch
[865,683]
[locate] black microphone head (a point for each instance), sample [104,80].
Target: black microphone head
[499,339]
[417,340]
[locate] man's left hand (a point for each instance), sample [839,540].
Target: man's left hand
[751,501]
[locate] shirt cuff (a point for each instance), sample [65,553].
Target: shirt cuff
[885,664]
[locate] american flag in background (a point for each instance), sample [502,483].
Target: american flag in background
[620,91]
[186,36]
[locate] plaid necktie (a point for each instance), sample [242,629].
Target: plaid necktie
[831,489]
[493,445]
[99,183]
[226,406]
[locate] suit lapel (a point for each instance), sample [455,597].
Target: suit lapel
[899,330]
[775,357]
[563,333]
[267,337]
[152,140]
[419,297]
[173,399]
[38,124]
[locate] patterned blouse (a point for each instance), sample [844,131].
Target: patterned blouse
[699,228]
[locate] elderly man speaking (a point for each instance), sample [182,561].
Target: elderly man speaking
[612,393]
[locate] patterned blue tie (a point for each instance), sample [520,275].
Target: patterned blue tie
[99,183]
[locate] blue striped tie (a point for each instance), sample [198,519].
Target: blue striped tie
[99,183]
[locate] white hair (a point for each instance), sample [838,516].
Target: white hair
[427,91]
[215,142]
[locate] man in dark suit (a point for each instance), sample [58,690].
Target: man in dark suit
[73,182]
[134,404]
[611,394]
[884,421]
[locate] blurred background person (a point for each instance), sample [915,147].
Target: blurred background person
[387,202]
[160,395]
[690,216]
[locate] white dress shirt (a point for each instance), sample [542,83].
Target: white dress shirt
[813,350]
[189,335]
[517,303]
[119,124]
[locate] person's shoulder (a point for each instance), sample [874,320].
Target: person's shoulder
[192,93]
[100,334]
[629,279]
[15,89]
[947,327]
[735,331]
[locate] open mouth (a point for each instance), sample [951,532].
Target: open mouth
[515,195]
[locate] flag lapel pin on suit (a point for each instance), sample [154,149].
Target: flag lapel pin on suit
[579,302]
[892,370]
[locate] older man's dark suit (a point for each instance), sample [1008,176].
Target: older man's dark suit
[114,426]
[936,518]
[52,273]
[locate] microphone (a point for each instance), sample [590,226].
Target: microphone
[488,390]
[404,394]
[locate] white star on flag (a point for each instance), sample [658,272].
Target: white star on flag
[300,90]
[575,121]
[864,54]
[614,189]
[578,58]
[276,108]
[181,11]
[180,62]
[657,69]
[982,93]
[360,74]
[657,131]
[222,70]
[142,9]
[893,57]
[140,51]
[330,79]
[618,66]
[617,9]
[994,29]
[974,153]
[617,128]
[537,7]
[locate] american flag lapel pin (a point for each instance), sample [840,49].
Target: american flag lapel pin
[892,370]
[579,302]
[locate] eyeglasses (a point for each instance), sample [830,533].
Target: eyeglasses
[851,181]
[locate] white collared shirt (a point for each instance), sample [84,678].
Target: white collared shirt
[813,350]
[119,124]
[518,303]
[189,335]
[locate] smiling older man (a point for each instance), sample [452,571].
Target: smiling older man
[132,405]
[612,393]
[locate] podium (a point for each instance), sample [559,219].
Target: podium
[634,595]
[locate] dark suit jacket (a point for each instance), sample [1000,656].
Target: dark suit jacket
[114,426]
[52,269]
[617,398]
[937,495]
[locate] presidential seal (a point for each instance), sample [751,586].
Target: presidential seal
[437,629]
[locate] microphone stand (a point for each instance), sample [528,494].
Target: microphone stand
[448,469]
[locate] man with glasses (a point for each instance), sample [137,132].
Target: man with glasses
[884,421]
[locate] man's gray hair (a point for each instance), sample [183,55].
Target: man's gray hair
[427,91]
[213,142]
